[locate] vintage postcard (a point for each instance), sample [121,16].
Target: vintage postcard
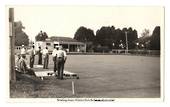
[85,53]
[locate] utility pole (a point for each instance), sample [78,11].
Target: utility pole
[12,45]
[126,42]
[85,45]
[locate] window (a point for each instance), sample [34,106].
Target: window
[48,44]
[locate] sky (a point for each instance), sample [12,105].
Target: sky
[65,20]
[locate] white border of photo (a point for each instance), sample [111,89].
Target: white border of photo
[43,102]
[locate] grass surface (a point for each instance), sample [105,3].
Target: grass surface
[106,76]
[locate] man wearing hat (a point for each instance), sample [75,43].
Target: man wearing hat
[61,58]
[54,54]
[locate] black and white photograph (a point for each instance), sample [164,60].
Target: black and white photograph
[85,53]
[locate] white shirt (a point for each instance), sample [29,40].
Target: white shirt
[33,51]
[17,61]
[60,52]
[45,51]
[23,51]
[54,52]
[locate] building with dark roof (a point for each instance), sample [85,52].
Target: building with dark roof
[69,44]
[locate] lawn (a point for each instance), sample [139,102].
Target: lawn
[101,76]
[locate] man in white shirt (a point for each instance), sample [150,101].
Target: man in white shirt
[39,56]
[23,68]
[32,55]
[54,54]
[23,51]
[61,58]
[46,57]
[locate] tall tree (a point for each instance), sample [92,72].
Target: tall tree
[144,40]
[131,37]
[84,34]
[145,33]
[155,39]
[21,36]
[118,40]
[42,36]
[107,36]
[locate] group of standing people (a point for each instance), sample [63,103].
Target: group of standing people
[41,53]
[59,59]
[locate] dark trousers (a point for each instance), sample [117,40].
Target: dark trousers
[31,61]
[40,59]
[55,64]
[46,59]
[60,68]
